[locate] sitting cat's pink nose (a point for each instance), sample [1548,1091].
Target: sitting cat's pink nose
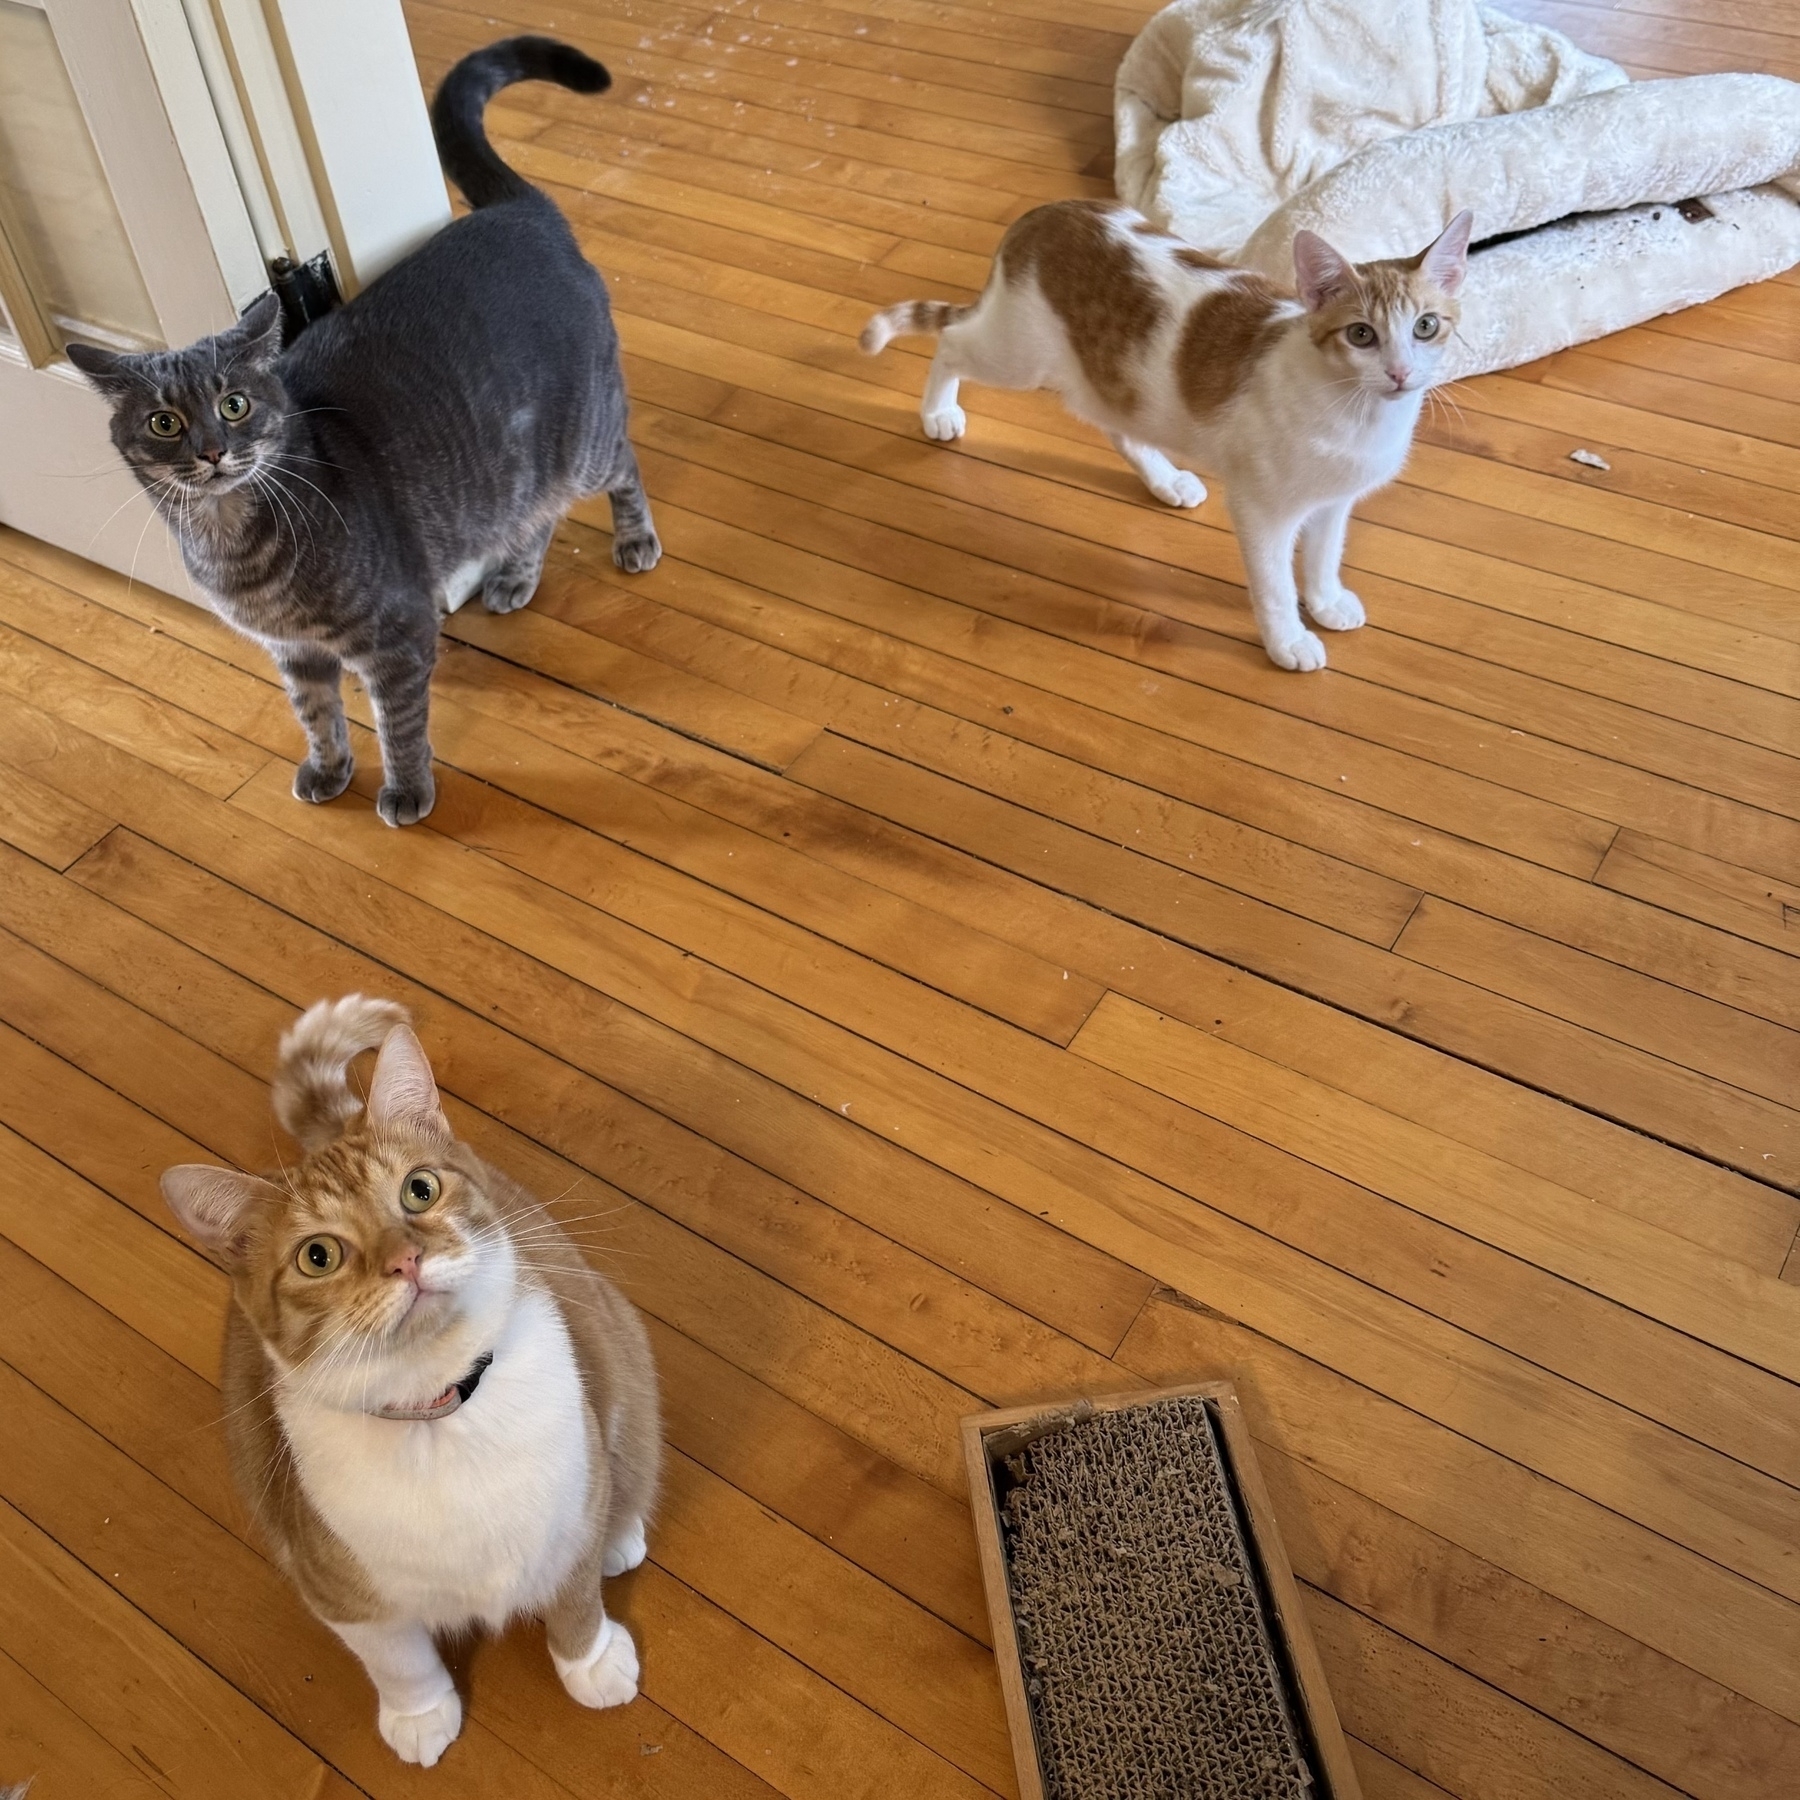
[405,1262]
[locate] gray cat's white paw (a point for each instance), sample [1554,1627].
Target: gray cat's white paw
[422,1737]
[1303,653]
[608,1674]
[626,1551]
[1183,488]
[316,785]
[406,805]
[637,554]
[946,423]
[1341,611]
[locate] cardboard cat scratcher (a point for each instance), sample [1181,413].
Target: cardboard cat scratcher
[1148,1631]
[1241,122]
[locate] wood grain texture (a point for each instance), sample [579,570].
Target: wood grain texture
[936,964]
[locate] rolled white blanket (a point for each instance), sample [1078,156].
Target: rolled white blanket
[1242,122]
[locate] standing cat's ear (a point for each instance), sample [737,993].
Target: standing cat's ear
[256,337]
[1321,273]
[1446,262]
[218,1206]
[403,1097]
[111,372]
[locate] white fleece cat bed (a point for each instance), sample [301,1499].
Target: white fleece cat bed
[1241,122]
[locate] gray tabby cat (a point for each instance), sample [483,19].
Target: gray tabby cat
[416,446]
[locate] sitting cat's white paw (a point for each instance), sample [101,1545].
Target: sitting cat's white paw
[422,1737]
[946,423]
[1341,611]
[1303,652]
[1181,489]
[626,1551]
[608,1674]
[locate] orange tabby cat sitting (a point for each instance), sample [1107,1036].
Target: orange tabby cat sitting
[439,1414]
[1301,405]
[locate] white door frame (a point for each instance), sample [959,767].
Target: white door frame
[231,132]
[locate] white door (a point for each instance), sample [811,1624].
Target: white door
[156,158]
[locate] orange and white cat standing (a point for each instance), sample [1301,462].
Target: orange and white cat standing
[439,1415]
[1301,405]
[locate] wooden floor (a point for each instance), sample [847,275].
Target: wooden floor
[943,964]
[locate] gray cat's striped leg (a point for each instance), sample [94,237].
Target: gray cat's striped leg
[515,580]
[636,546]
[313,678]
[399,686]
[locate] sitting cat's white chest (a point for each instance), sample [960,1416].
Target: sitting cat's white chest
[475,1516]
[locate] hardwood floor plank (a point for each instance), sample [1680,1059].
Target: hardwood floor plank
[1695,1293]
[174,1714]
[1626,1698]
[42,1736]
[951,880]
[1701,887]
[1479,1742]
[44,823]
[1700,1034]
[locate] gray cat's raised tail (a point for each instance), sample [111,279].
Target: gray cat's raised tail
[468,158]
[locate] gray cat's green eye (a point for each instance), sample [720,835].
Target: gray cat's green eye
[420,1190]
[234,407]
[1428,326]
[167,424]
[320,1256]
[1361,335]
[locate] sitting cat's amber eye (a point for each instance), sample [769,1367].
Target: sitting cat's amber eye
[1427,326]
[166,424]
[320,1256]
[234,407]
[1361,335]
[419,1190]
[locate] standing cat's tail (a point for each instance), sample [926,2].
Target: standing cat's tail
[911,318]
[312,1093]
[462,141]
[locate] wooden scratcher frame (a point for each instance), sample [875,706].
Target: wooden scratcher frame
[1293,1638]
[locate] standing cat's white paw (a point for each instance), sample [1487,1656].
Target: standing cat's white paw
[1341,611]
[608,1674]
[946,423]
[626,1551]
[1182,488]
[422,1737]
[1303,652]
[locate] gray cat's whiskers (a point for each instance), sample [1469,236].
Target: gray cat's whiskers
[282,457]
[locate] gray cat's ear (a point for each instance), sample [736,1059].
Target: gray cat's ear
[1321,274]
[403,1098]
[107,370]
[1447,261]
[256,337]
[217,1206]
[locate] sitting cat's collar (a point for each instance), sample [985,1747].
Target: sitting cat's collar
[446,1403]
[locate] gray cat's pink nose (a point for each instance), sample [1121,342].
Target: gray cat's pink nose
[211,456]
